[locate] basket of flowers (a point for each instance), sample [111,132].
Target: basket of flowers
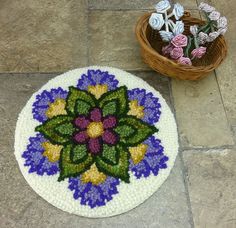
[180,46]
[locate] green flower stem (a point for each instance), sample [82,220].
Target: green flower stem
[206,16]
[207,30]
[212,28]
[166,22]
[188,46]
[195,42]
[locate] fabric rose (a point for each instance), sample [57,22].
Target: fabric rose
[198,52]
[206,8]
[202,38]
[178,11]
[156,21]
[180,41]
[184,61]
[222,22]
[179,28]
[162,6]
[214,15]
[166,36]
[212,36]
[194,30]
[176,53]
[222,31]
[167,49]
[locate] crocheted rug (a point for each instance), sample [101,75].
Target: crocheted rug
[96,141]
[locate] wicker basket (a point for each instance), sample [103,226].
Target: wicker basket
[151,45]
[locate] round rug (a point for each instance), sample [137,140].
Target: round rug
[96,141]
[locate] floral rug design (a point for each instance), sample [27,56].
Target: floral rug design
[94,136]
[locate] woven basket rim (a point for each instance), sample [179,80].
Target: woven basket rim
[147,46]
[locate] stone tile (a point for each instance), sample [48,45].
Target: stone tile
[166,208]
[42,36]
[112,40]
[200,113]
[15,194]
[211,185]
[187,4]
[121,4]
[226,72]
[157,81]
[234,133]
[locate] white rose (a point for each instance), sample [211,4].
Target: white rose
[212,36]
[222,31]
[222,22]
[178,11]
[166,36]
[194,29]
[162,6]
[214,15]
[202,37]
[178,28]
[156,21]
[206,8]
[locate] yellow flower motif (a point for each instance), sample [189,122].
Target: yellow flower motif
[56,108]
[135,109]
[98,90]
[95,129]
[51,152]
[138,153]
[93,176]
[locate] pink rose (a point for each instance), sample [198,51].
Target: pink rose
[222,22]
[167,49]
[222,31]
[198,52]
[176,53]
[184,61]
[214,15]
[206,8]
[180,41]
[213,36]
[203,37]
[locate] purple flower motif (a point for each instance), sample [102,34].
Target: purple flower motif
[153,161]
[97,77]
[43,101]
[35,160]
[93,195]
[95,130]
[150,103]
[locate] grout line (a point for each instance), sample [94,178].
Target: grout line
[120,9]
[87,32]
[205,150]
[185,177]
[221,97]
[209,148]
[190,213]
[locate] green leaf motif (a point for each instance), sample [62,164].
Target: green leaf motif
[70,169]
[78,153]
[125,131]
[51,130]
[110,154]
[119,96]
[119,170]
[74,95]
[110,108]
[65,129]
[142,130]
[82,107]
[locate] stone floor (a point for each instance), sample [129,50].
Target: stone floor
[40,39]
